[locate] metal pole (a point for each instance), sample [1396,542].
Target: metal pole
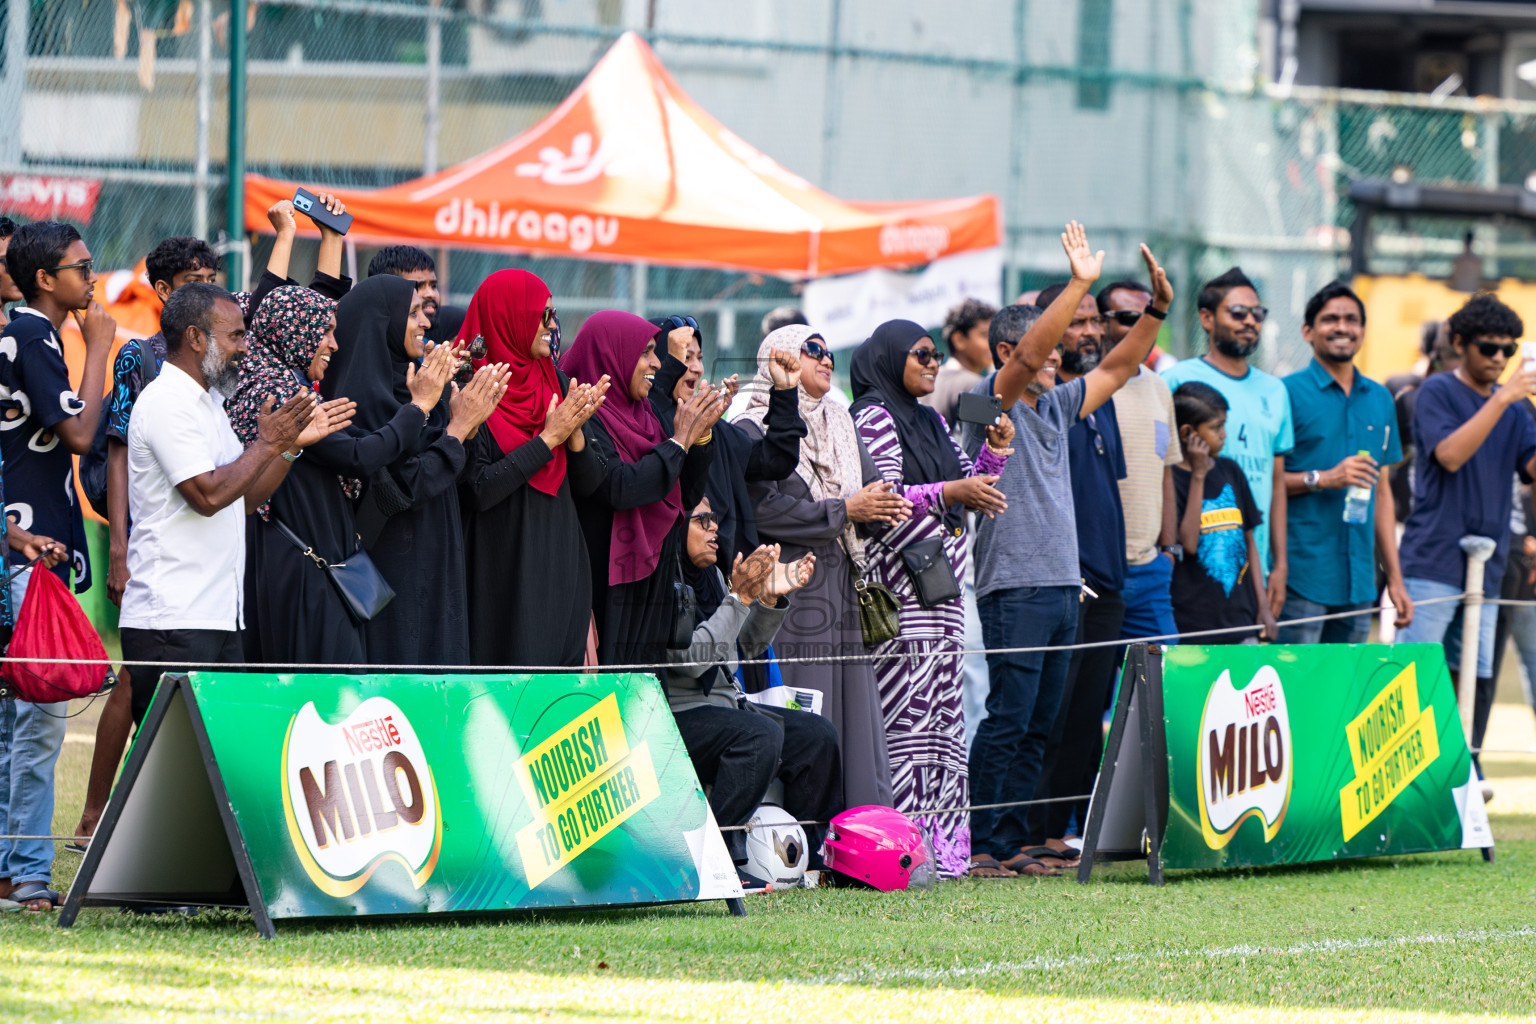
[15,81]
[1478,550]
[204,117]
[234,207]
[433,119]
[639,285]
[829,118]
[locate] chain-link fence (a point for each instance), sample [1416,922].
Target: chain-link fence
[1141,119]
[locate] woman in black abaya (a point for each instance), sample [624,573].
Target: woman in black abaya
[408,512]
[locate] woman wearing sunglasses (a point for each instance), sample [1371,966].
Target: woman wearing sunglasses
[825,508]
[920,696]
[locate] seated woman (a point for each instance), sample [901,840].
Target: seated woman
[633,484]
[738,747]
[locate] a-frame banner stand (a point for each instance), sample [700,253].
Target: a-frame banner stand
[1132,790]
[345,796]
[1205,766]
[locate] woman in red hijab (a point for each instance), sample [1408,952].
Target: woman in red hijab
[631,491]
[530,591]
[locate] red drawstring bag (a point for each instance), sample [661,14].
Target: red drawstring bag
[51,624]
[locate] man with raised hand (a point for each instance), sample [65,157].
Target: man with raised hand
[191,485]
[1028,582]
[1259,429]
[1342,521]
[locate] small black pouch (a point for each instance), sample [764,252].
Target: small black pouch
[363,589]
[933,578]
[685,611]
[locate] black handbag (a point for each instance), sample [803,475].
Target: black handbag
[933,578]
[363,589]
[685,610]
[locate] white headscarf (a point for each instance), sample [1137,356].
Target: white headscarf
[829,453]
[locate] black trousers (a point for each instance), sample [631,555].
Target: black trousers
[1077,741]
[174,645]
[740,751]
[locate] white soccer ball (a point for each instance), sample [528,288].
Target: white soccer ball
[777,850]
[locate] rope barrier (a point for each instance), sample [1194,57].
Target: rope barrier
[869,656]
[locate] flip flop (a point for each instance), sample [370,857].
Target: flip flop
[34,892]
[77,846]
[1023,864]
[1066,858]
[985,866]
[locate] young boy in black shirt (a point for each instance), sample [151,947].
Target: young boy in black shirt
[1219,581]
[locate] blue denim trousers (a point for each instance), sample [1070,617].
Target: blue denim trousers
[1441,624]
[31,736]
[1354,630]
[1148,600]
[1022,700]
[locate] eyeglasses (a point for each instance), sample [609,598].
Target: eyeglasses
[706,520]
[924,356]
[1259,313]
[1489,349]
[674,322]
[818,351]
[84,266]
[1123,317]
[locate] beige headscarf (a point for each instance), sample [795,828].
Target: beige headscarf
[829,453]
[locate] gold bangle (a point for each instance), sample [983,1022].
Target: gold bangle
[709,435]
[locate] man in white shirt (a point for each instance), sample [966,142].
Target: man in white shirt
[187,474]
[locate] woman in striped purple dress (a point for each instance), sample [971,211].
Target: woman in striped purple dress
[920,693]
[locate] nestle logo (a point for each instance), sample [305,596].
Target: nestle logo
[370,736]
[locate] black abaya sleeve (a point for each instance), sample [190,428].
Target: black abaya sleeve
[491,476]
[331,287]
[353,453]
[432,471]
[622,485]
[776,454]
[696,472]
[268,283]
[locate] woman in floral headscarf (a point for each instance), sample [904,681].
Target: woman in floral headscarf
[294,614]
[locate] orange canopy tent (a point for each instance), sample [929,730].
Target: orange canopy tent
[630,168]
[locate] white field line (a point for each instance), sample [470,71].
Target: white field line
[1055,963]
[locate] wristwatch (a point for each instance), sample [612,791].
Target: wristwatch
[293,456]
[1176,550]
[1312,478]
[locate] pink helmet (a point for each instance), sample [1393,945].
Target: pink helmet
[880,847]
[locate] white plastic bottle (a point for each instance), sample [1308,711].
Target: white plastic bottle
[1357,502]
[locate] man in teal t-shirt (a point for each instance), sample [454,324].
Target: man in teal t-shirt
[1259,430]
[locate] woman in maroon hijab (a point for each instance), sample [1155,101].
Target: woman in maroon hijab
[632,488]
[530,590]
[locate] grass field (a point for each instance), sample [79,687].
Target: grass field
[1427,938]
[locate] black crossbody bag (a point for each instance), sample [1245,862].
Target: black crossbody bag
[927,566]
[363,589]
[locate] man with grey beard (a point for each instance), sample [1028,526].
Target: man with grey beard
[191,485]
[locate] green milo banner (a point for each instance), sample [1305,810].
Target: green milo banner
[366,795]
[1288,754]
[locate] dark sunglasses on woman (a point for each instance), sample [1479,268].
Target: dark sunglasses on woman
[818,351]
[706,520]
[925,356]
[674,322]
[551,323]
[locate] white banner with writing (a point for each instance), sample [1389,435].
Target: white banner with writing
[847,309]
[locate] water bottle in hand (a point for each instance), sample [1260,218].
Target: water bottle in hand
[1357,502]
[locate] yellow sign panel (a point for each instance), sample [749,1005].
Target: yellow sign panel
[1391,742]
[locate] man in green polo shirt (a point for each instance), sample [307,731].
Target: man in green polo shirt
[1345,427]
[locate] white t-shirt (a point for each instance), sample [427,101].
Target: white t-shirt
[186,571]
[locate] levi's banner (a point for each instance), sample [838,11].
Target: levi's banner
[356,795]
[1288,754]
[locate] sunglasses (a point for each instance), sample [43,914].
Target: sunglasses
[925,356]
[706,520]
[1489,349]
[1123,317]
[674,322]
[818,351]
[84,266]
[551,323]
[1259,313]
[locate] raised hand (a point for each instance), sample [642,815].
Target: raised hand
[1162,291]
[329,417]
[1086,264]
[281,427]
[784,369]
[564,418]
[787,578]
[471,406]
[749,576]
[334,205]
[1000,435]
[280,214]
[729,387]
[978,493]
[878,503]
[427,381]
[697,416]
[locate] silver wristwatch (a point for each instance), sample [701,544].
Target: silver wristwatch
[293,456]
[1312,478]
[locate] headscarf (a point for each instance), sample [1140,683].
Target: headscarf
[611,342]
[508,312]
[370,361]
[876,372]
[829,455]
[283,337]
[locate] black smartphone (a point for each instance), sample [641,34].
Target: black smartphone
[309,204]
[980,409]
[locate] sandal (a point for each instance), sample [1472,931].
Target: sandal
[77,845]
[1023,864]
[29,893]
[1060,858]
[986,866]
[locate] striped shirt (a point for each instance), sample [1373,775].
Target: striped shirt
[1149,438]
